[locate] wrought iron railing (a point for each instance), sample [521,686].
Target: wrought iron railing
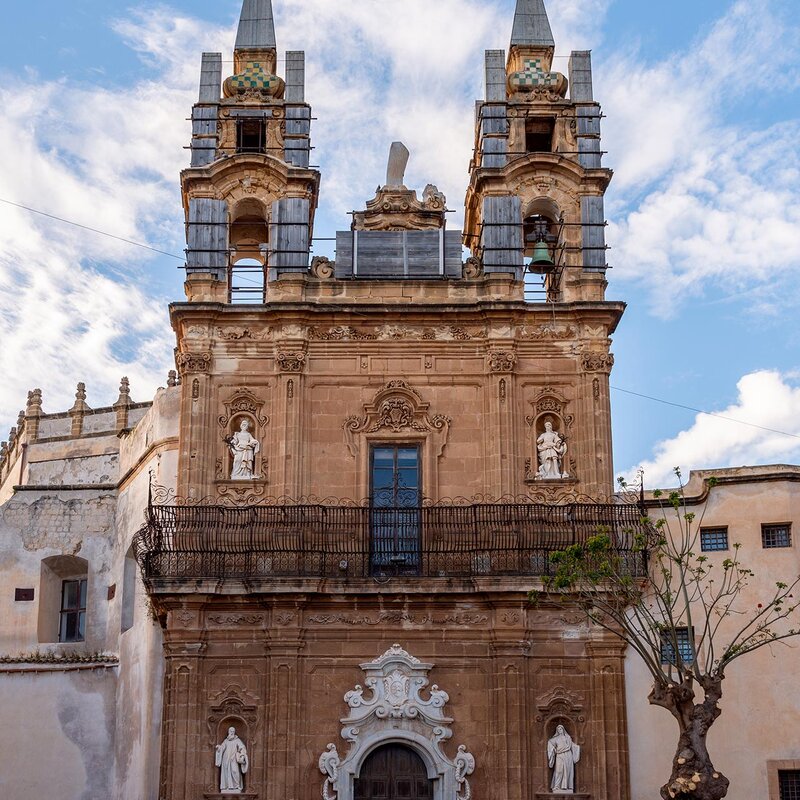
[341,542]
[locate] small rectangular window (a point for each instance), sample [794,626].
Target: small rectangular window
[539,135]
[251,136]
[713,539]
[685,643]
[73,611]
[23,595]
[776,535]
[789,784]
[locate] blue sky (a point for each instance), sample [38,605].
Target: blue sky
[703,131]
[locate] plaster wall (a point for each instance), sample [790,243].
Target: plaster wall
[760,704]
[57,733]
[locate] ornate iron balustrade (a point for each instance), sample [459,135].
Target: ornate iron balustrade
[341,542]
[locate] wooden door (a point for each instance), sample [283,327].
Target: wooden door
[393,772]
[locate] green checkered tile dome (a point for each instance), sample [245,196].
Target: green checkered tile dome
[253,78]
[534,76]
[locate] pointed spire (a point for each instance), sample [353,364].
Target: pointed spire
[256,26]
[531,25]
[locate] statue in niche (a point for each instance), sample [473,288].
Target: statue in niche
[243,446]
[562,756]
[231,758]
[552,447]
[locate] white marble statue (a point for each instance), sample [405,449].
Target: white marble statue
[562,756]
[552,448]
[243,446]
[231,758]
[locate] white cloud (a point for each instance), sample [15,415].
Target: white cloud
[701,201]
[768,401]
[75,305]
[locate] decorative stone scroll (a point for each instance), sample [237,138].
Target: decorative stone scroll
[291,362]
[396,710]
[502,360]
[597,362]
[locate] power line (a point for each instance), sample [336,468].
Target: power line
[706,413]
[93,230]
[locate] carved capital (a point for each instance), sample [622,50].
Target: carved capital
[291,362]
[597,362]
[502,361]
[189,363]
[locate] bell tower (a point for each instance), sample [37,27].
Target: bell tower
[249,196]
[535,198]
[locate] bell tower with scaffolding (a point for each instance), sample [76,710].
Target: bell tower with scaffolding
[249,196]
[535,198]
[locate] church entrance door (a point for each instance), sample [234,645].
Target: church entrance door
[393,772]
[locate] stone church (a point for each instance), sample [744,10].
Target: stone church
[302,570]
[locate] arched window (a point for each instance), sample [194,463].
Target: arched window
[249,242]
[63,593]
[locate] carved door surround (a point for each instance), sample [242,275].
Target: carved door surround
[241,404]
[396,712]
[398,415]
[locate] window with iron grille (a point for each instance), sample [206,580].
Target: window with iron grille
[73,611]
[776,535]
[685,642]
[713,539]
[789,784]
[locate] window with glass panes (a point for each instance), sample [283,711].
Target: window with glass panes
[73,611]
[789,784]
[776,535]
[713,539]
[685,643]
[395,499]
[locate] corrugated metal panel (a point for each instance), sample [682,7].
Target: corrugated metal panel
[295,76]
[208,237]
[289,232]
[594,233]
[501,236]
[256,26]
[531,25]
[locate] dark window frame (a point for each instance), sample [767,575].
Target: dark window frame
[711,537]
[771,538]
[686,648]
[72,616]
[540,134]
[789,784]
[251,135]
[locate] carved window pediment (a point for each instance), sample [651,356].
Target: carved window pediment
[397,408]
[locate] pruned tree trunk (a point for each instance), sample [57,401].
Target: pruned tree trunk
[693,774]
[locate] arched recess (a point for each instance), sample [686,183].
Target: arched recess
[249,243]
[396,712]
[128,610]
[63,592]
[396,770]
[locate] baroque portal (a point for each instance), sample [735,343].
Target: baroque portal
[391,709]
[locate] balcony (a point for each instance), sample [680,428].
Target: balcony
[344,542]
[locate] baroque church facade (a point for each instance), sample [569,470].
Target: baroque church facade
[303,569]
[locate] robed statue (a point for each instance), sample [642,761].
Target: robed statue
[562,756]
[231,758]
[243,446]
[552,447]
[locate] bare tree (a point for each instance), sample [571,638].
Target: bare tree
[688,620]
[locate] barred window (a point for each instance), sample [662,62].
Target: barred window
[776,535]
[713,539]
[685,640]
[789,784]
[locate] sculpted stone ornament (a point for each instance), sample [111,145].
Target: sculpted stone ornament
[231,758]
[243,447]
[552,448]
[562,756]
[391,707]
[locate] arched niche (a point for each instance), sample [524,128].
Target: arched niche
[392,708]
[550,406]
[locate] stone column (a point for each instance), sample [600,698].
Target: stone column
[198,426]
[501,443]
